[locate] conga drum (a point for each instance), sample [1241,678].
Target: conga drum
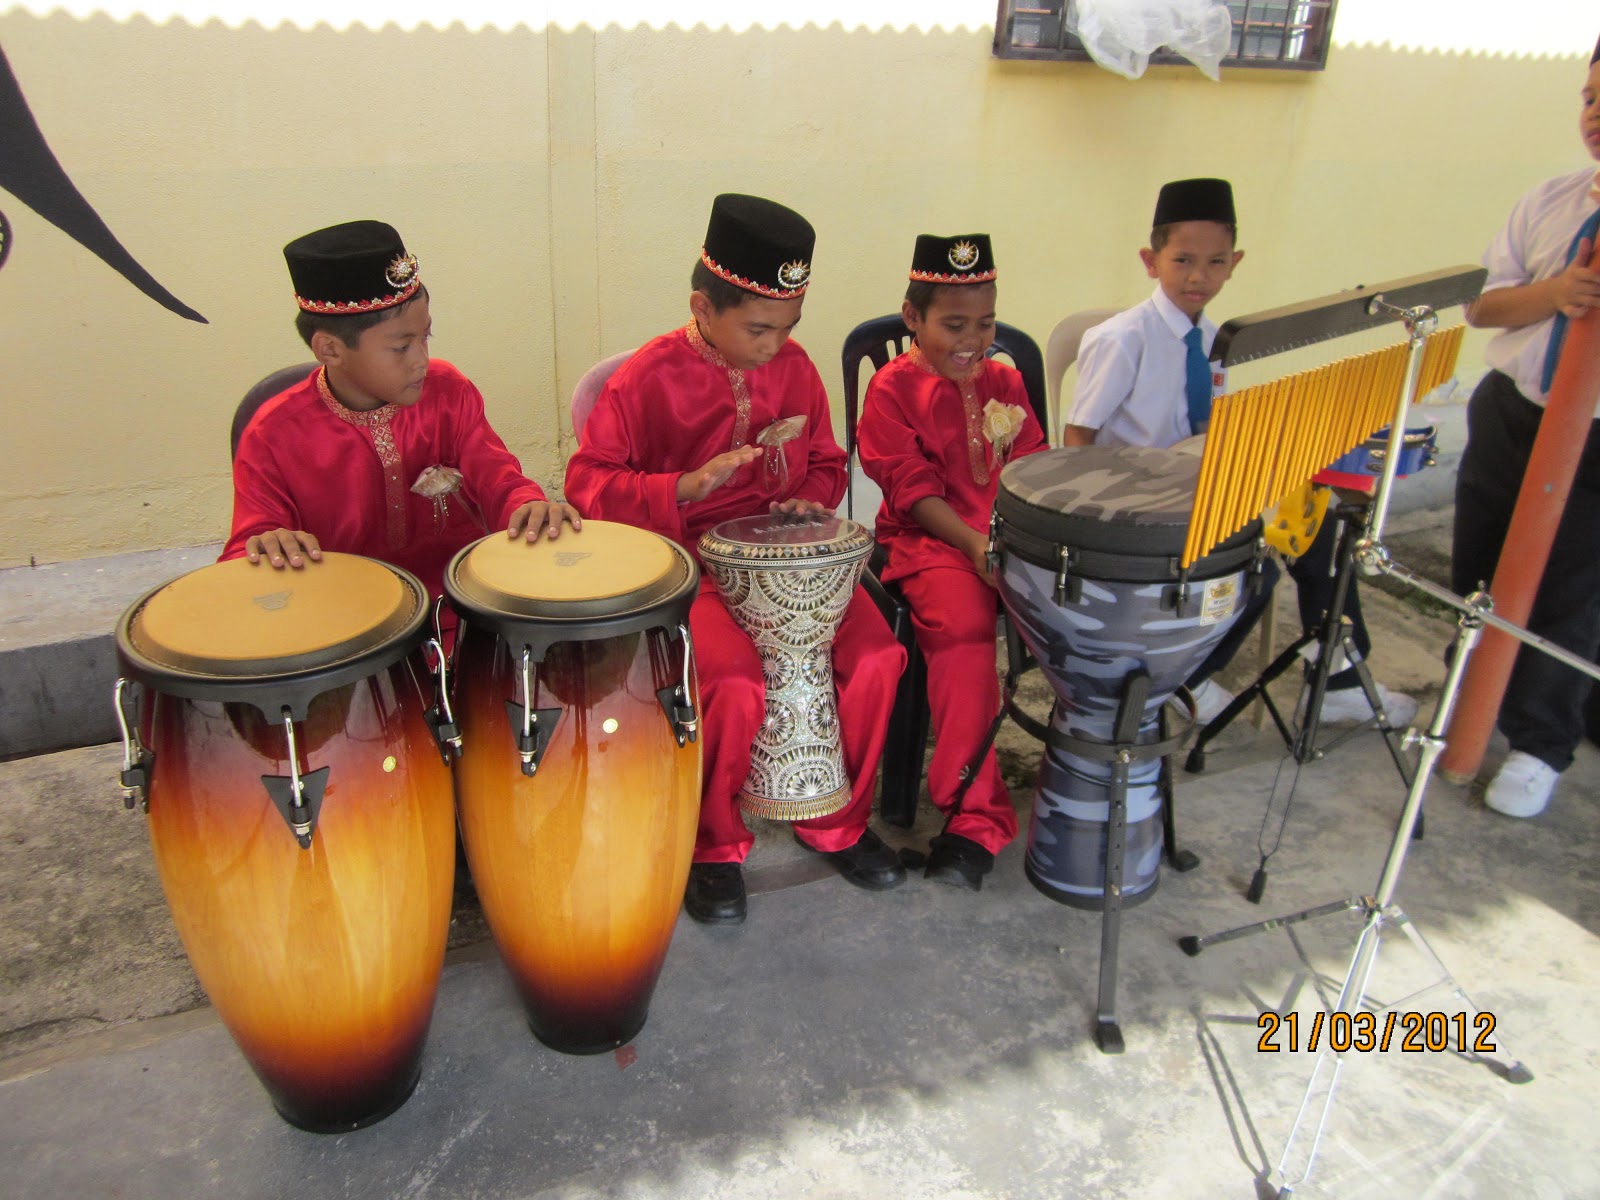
[787,584]
[1090,540]
[578,787]
[300,813]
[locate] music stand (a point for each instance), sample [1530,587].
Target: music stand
[1380,910]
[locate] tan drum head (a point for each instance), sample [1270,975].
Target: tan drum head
[602,569]
[241,619]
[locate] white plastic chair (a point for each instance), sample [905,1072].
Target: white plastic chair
[1062,351]
[590,387]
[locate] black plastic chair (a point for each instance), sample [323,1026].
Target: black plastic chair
[879,340]
[280,380]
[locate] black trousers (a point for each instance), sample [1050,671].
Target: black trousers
[1542,713]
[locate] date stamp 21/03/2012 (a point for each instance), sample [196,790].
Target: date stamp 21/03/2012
[1363,1032]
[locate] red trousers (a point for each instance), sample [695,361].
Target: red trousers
[867,662]
[953,615]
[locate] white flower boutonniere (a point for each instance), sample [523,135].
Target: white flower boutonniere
[773,438]
[439,483]
[1001,424]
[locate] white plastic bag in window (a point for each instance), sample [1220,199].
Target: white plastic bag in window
[1121,34]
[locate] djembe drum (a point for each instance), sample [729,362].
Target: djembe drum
[579,782]
[787,583]
[1090,539]
[299,810]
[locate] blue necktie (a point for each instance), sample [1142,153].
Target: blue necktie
[1558,331]
[1197,380]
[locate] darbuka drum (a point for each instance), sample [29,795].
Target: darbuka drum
[579,781]
[787,584]
[315,919]
[1090,540]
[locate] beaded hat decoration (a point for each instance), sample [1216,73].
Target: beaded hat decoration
[759,246]
[1195,200]
[357,267]
[962,258]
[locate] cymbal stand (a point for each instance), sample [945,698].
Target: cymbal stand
[1381,911]
[1331,636]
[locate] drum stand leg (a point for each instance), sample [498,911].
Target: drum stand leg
[1382,914]
[1123,750]
[1124,737]
[1178,860]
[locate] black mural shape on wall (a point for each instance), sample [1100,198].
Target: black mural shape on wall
[31,173]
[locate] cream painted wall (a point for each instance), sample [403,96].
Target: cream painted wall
[555,186]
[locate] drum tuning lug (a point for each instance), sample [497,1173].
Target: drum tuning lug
[675,700]
[680,714]
[135,782]
[1068,589]
[441,719]
[532,735]
[1175,596]
[299,810]
[297,796]
[447,734]
[136,760]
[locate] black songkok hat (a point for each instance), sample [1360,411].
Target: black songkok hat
[964,258]
[759,245]
[357,267]
[1195,200]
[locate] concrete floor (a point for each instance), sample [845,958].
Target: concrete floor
[924,1042]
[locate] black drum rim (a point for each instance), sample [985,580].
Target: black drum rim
[666,606]
[1110,550]
[273,690]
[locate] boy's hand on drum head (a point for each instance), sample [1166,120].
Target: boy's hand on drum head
[540,515]
[697,485]
[802,510]
[283,547]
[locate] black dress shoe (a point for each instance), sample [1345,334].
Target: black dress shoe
[958,861]
[868,864]
[715,895]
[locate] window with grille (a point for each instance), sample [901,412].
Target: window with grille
[1286,34]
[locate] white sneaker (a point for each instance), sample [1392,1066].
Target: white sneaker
[1210,698]
[1350,704]
[1522,786]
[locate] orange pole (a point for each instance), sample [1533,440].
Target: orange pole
[1545,486]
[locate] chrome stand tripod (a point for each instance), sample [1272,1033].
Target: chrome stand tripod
[1382,914]
[1380,910]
